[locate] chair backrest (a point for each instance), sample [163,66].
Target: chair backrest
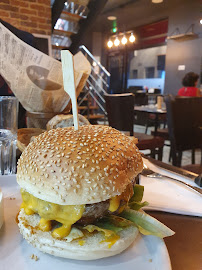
[120,111]
[141,98]
[184,116]
[133,89]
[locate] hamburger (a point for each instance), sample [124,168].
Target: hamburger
[79,195]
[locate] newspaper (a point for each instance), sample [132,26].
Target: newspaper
[36,78]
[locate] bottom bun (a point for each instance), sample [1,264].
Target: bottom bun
[89,247]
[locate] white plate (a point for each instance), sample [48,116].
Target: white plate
[146,253]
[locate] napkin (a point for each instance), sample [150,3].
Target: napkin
[170,196]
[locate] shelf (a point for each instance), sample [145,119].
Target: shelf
[86,107]
[94,116]
[186,36]
[62,33]
[67,16]
[54,47]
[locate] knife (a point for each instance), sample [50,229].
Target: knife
[197,178]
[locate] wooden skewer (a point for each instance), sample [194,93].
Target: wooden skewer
[69,83]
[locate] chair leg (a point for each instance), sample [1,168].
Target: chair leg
[160,153]
[153,153]
[146,129]
[193,156]
[174,156]
[201,155]
[179,158]
[170,154]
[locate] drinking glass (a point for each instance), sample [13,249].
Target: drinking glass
[8,134]
[151,101]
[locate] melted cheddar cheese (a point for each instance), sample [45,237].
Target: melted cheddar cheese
[112,240]
[114,203]
[65,214]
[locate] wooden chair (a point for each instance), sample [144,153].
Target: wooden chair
[120,112]
[184,117]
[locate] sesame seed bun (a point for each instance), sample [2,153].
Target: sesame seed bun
[86,166]
[93,246]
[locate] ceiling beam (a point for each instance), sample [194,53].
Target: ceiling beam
[57,9]
[95,8]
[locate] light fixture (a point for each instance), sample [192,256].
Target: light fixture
[116,42]
[110,43]
[132,38]
[57,44]
[200,21]
[124,40]
[111,18]
[157,1]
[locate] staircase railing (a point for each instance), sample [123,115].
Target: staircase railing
[98,82]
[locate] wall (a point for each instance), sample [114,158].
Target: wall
[33,16]
[188,52]
[146,58]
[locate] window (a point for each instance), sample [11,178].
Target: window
[149,72]
[134,74]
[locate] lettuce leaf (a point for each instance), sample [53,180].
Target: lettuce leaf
[137,205]
[135,201]
[146,224]
[138,193]
[131,216]
[114,223]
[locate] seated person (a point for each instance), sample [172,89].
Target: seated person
[189,82]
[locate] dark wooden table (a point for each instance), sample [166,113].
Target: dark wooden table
[185,247]
[153,110]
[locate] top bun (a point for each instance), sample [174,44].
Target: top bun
[71,167]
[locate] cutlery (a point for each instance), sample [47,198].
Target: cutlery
[197,178]
[149,173]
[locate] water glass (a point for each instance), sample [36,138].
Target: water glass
[8,134]
[151,101]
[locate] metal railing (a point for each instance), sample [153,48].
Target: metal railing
[97,84]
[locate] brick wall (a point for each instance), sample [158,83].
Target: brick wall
[33,16]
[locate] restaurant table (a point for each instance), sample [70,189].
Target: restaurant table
[153,110]
[185,247]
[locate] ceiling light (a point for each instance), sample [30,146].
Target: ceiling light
[132,38]
[109,43]
[157,1]
[57,44]
[200,21]
[116,42]
[124,40]
[111,18]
